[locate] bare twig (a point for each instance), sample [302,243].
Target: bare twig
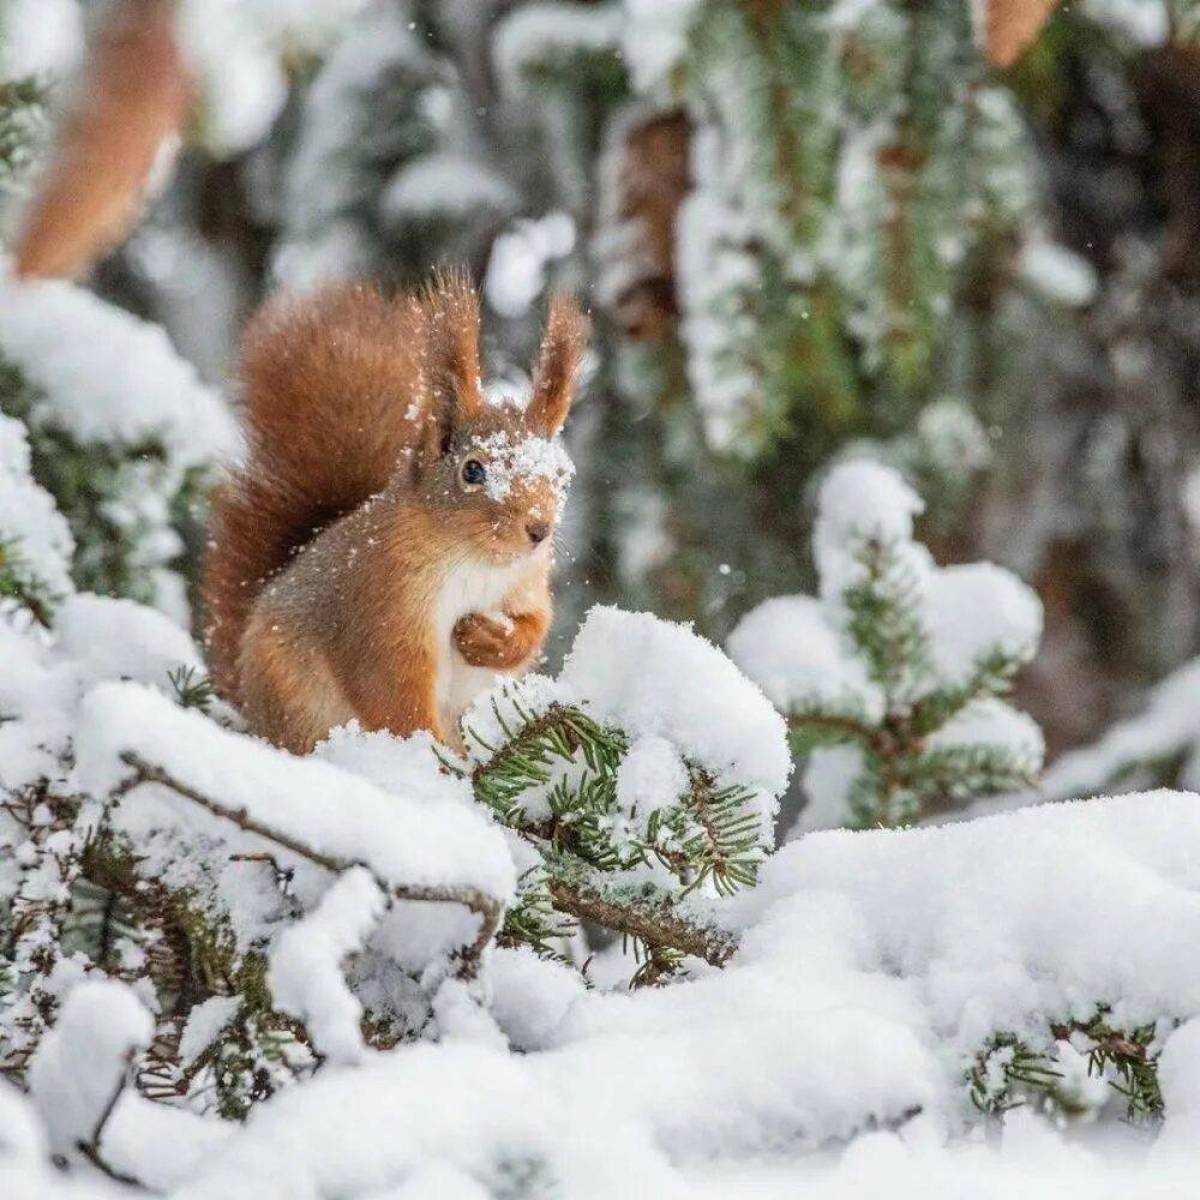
[90,1148]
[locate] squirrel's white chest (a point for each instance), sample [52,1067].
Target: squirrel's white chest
[470,587]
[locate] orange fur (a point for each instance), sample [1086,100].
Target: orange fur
[349,553]
[134,95]
[485,642]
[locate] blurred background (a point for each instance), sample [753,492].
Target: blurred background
[960,237]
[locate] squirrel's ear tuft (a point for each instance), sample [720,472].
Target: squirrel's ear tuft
[450,307]
[557,364]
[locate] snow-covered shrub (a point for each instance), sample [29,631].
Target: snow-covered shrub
[910,982]
[141,839]
[35,540]
[120,432]
[633,790]
[892,676]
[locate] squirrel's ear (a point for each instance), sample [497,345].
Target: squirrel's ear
[451,318]
[557,363]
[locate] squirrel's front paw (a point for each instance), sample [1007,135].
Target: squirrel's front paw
[488,640]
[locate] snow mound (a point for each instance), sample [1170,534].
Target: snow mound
[101,1025]
[799,657]
[872,967]
[404,839]
[116,379]
[657,679]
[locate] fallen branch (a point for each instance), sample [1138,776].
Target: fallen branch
[487,908]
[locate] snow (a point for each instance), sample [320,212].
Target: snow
[654,39]
[859,500]
[492,712]
[991,722]
[205,1022]
[1179,1078]
[1167,727]
[38,690]
[544,33]
[323,235]
[873,965]
[789,646]
[115,379]
[29,521]
[302,25]
[952,438]
[83,1060]
[973,609]
[159,1145]
[445,184]
[872,968]
[795,647]
[718,276]
[305,977]
[623,671]
[530,996]
[392,763]
[630,668]
[404,839]
[41,37]
[238,50]
[651,775]
[523,460]
[96,638]
[517,266]
[110,639]
[966,618]
[1058,274]
[1144,22]
[829,776]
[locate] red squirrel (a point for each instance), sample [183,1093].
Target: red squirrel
[384,550]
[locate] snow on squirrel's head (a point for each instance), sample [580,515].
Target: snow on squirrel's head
[491,465]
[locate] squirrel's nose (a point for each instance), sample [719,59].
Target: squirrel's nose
[537,531]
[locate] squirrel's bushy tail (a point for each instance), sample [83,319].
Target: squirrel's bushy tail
[337,387]
[134,97]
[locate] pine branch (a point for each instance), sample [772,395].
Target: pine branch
[724,842]
[193,689]
[487,908]
[527,759]
[1128,1055]
[1007,1066]
[17,583]
[884,620]
[812,728]
[656,923]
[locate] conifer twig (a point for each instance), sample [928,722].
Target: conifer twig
[657,925]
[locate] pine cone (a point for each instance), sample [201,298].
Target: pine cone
[133,96]
[1011,25]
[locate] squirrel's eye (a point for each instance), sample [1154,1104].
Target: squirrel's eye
[473,473]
